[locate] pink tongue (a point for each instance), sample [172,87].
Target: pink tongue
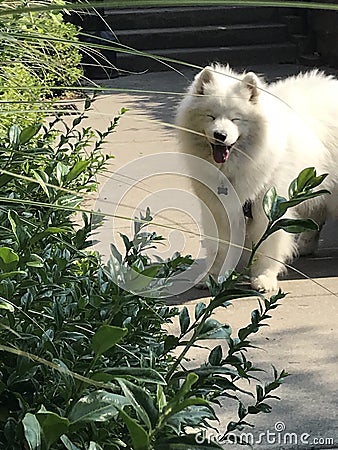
[221,154]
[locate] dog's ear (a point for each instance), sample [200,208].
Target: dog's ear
[250,83]
[203,78]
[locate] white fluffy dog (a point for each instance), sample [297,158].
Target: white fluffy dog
[261,136]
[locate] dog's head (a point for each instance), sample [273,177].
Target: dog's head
[226,104]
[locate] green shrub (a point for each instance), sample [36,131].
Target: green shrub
[50,44]
[85,364]
[38,53]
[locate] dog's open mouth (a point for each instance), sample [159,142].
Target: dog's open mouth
[221,152]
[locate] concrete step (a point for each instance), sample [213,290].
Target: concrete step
[304,43]
[208,36]
[240,35]
[126,19]
[296,23]
[311,60]
[234,55]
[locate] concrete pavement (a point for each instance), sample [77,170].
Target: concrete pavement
[303,335]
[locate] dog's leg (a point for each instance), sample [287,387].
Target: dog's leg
[276,250]
[307,242]
[216,232]
[272,253]
[220,256]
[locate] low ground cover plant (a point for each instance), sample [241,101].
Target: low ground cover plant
[38,54]
[83,363]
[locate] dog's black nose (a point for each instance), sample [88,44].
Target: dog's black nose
[220,136]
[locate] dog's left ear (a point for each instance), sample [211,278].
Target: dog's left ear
[250,84]
[202,79]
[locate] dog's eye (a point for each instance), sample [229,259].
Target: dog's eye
[235,119]
[211,117]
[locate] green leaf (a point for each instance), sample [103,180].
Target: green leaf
[190,379]
[68,443]
[206,371]
[293,189]
[261,407]
[160,398]
[77,169]
[199,310]
[127,243]
[272,204]
[28,133]
[32,431]
[243,333]
[304,177]
[316,181]
[94,446]
[138,434]
[8,259]
[192,416]
[42,179]
[215,356]
[54,230]
[212,329]
[213,286]
[5,305]
[170,342]
[231,294]
[184,320]
[242,412]
[88,103]
[300,189]
[61,171]
[76,121]
[179,401]
[13,220]
[12,274]
[193,401]
[52,425]
[146,375]
[269,200]
[265,407]
[294,226]
[306,180]
[141,401]
[188,383]
[116,253]
[106,337]
[14,136]
[69,201]
[151,272]
[98,406]
[4,179]
[255,317]
[140,278]
[35,261]
[284,205]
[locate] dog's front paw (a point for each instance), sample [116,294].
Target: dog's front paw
[264,283]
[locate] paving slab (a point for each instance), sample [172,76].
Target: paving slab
[302,339]
[303,335]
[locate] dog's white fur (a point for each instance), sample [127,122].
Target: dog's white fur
[276,131]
